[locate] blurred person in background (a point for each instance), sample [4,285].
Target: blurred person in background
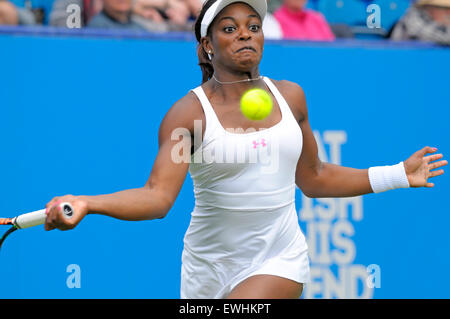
[179,15]
[302,24]
[273,5]
[88,9]
[271,26]
[8,14]
[426,20]
[12,15]
[166,15]
[194,6]
[150,15]
[116,14]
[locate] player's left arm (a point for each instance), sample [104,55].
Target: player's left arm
[320,179]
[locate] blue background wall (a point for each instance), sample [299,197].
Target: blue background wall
[80,115]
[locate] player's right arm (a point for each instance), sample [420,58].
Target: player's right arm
[153,200]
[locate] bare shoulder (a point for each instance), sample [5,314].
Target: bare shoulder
[182,114]
[294,96]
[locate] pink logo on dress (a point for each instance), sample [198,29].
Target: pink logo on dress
[262,142]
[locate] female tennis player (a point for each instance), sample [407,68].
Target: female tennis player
[244,240]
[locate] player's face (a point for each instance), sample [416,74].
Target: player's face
[237,38]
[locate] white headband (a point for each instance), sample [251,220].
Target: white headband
[260,6]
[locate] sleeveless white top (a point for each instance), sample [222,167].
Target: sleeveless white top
[244,220]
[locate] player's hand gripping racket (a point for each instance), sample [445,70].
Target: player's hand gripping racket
[31,219]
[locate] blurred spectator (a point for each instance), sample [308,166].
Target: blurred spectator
[304,24]
[178,15]
[427,20]
[149,14]
[8,13]
[88,9]
[12,15]
[149,9]
[274,5]
[116,14]
[166,15]
[271,27]
[194,7]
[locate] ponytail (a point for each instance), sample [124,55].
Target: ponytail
[205,64]
[203,60]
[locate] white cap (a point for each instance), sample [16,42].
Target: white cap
[260,6]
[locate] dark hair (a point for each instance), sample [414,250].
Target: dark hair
[203,60]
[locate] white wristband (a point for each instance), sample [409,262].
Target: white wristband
[384,178]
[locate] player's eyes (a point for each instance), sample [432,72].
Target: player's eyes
[254,27]
[229,29]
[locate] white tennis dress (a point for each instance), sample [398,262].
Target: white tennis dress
[244,221]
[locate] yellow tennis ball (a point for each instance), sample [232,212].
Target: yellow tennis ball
[256,104]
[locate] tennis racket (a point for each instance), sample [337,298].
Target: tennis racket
[31,219]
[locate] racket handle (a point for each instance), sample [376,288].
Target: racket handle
[38,217]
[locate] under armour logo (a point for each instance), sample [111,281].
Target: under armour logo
[263,143]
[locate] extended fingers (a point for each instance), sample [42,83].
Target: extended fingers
[436,173]
[426,150]
[434,157]
[437,164]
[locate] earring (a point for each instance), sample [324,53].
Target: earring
[209,55]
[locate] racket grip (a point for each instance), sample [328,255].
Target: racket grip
[38,217]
